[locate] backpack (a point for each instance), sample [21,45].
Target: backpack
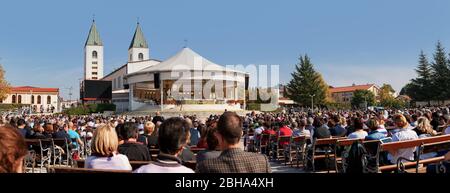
[356,161]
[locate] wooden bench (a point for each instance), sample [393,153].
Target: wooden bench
[298,146]
[424,145]
[326,146]
[84,170]
[344,145]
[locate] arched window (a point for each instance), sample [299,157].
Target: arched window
[141,56]
[32,99]
[94,54]
[131,57]
[13,99]
[49,100]
[39,99]
[19,99]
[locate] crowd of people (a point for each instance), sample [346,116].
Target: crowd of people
[386,125]
[114,141]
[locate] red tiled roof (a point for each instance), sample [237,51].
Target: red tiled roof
[33,89]
[350,88]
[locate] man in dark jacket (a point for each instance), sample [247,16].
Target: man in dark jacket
[337,130]
[134,150]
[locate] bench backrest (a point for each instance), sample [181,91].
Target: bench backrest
[347,142]
[413,143]
[84,170]
[435,147]
[325,141]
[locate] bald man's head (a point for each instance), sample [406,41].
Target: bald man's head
[230,127]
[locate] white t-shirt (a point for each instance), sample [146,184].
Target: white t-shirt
[153,168]
[259,130]
[116,162]
[408,153]
[358,135]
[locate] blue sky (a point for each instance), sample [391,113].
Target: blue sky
[349,41]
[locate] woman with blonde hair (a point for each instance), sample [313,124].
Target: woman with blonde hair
[403,133]
[104,151]
[424,128]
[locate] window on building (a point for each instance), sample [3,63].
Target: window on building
[95,62]
[94,54]
[94,78]
[94,73]
[119,80]
[141,56]
[19,99]
[94,68]
[32,99]
[114,83]
[49,100]
[131,57]
[13,99]
[39,99]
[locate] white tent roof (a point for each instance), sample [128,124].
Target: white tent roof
[185,60]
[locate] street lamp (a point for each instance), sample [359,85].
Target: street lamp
[312,101]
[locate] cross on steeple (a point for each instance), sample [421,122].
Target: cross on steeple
[185,43]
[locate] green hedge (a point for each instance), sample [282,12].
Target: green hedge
[6,107]
[90,108]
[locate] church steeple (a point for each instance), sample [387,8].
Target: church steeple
[138,40]
[93,37]
[93,55]
[138,50]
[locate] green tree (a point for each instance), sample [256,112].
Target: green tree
[5,88]
[361,97]
[423,83]
[440,74]
[386,92]
[307,84]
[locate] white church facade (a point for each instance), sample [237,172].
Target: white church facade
[184,82]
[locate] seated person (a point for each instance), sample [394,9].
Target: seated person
[14,150]
[403,134]
[424,128]
[131,148]
[359,132]
[336,129]
[186,154]
[374,133]
[320,131]
[151,135]
[104,151]
[301,129]
[213,146]
[233,158]
[172,136]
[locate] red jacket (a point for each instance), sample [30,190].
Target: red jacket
[284,131]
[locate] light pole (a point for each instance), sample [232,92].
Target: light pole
[312,101]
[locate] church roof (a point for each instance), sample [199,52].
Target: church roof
[138,40]
[33,89]
[351,88]
[93,37]
[186,59]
